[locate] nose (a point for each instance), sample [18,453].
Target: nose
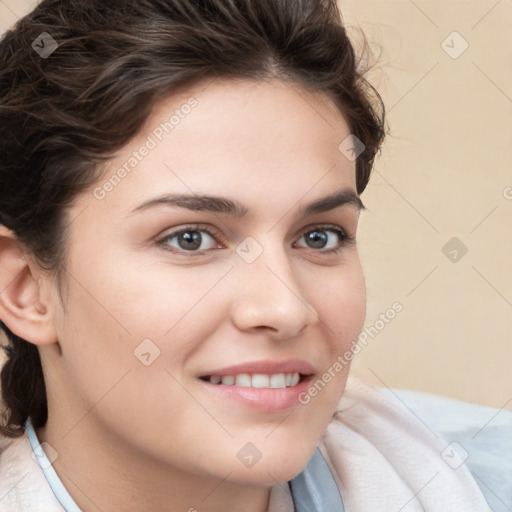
[269,297]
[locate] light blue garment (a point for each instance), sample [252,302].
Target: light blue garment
[482,436]
[314,489]
[60,492]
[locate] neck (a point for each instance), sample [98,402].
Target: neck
[101,472]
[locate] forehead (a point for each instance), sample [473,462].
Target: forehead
[256,113]
[232,137]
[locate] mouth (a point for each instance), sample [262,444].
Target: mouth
[267,386]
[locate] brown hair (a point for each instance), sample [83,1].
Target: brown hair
[79,79]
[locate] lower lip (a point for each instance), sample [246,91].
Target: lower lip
[262,399]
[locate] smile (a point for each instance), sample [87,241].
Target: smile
[256,380]
[267,386]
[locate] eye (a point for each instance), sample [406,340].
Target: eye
[196,240]
[327,238]
[189,239]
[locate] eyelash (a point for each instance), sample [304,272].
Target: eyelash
[345,239]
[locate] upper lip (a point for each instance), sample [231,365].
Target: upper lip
[267,367]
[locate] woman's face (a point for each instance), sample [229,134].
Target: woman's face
[165,295]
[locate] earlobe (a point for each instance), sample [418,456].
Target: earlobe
[21,307]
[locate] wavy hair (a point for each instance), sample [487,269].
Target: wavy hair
[100,68]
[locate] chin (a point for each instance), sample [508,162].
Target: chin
[276,468]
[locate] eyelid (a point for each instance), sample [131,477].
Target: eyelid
[320,226]
[168,233]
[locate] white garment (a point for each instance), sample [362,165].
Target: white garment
[383,459]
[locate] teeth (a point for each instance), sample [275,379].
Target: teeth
[258,380]
[295,379]
[243,380]
[278,381]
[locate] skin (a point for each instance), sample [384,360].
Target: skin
[133,437]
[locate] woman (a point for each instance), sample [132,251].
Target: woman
[180,194]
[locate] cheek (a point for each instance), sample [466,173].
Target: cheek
[143,296]
[126,339]
[341,310]
[124,315]
[343,305]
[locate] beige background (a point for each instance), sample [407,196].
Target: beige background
[443,173]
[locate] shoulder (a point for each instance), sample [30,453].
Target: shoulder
[482,436]
[385,456]
[23,485]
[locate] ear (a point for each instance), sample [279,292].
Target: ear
[22,309]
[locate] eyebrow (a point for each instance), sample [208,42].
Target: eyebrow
[235,209]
